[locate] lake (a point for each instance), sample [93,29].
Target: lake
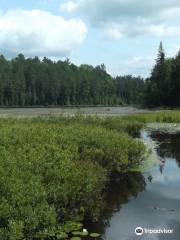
[150,200]
[69,111]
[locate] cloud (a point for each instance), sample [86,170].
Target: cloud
[171,13]
[36,32]
[130,18]
[138,64]
[69,6]
[113,31]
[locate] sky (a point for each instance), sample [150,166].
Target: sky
[122,34]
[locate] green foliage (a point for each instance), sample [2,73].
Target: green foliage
[52,171]
[65,231]
[32,82]
[94,235]
[80,233]
[163,86]
[29,82]
[166,116]
[70,226]
[130,89]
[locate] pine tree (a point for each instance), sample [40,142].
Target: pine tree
[155,83]
[175,81]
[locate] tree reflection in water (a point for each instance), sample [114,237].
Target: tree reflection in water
[121,190]
[160,195]
[168,146]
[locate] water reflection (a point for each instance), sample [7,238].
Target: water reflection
[121,189]
[150,200]
[169,145]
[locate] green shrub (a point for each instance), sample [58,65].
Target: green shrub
[54,171]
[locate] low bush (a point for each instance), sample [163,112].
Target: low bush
[52,171]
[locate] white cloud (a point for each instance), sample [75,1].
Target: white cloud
[37,32]
[130,18]
[117,31]
[177,47]
[169,14]
[113,31]
[174,50]
[140,61]
[139,64]
[69,6]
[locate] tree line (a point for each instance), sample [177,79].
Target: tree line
[35,82]
[163,86]
[31,82]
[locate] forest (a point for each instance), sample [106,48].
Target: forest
[36,82]
[163,86]
[31,82]
[55,172]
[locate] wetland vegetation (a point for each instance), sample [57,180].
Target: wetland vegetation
[54,173]
[56,170]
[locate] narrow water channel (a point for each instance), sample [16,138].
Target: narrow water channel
[150,200]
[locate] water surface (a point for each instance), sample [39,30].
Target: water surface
[69,111]
[149,200]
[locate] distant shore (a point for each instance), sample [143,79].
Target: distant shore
[70,111]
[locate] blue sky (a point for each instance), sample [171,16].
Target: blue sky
[122,34]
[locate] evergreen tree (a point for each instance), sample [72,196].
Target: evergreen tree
[175,81]
[30,82]
[156,81]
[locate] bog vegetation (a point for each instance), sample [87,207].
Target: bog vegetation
[166,116]
[53,173]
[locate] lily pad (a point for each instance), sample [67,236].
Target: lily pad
[75,238]
[78,233]
[72,226]
[95,235]
[62,235]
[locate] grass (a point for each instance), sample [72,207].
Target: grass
[168,116]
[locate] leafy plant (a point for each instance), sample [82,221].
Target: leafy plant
[53,173]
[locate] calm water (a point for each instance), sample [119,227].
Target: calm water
[149,200]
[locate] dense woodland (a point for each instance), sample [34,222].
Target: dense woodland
[26,82]
[31,82]
[163,87]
